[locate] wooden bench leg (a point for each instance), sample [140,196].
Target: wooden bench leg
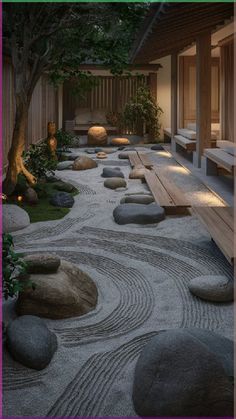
[174,146]
[209,167]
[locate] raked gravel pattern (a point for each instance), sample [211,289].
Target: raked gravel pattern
[142,275]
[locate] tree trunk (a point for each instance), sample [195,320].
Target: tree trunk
[15,161]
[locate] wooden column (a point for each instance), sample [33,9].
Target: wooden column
[60,106]
[203,96]
[174,97]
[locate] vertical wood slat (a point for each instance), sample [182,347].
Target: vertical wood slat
[174,95]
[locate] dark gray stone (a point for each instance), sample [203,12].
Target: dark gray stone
[65,165]
[114,183]
[64,186]
[137,199]
[62,199]
[112,172]
[216,288]
[138,214]
[157,147]
[98,150]
[30,342]
[185,372]
[123,156]
[42,263]
[72,156]
[122,147]
[90,151]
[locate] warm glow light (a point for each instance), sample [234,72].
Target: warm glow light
[179,169]
[164,154]
[19,198]
[3,196]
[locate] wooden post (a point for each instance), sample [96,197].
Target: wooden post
[203,96]
[174,98]
[60,106]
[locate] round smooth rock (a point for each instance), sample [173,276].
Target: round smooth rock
[31,196]
[98,150]
[114,183]
[97,136]
[64,186]
[138,172]
[90,151]
[184,372]
[217,288]
[72,156]
[137,199]
[65,165]
[138,214]
[157,147]
[101,155]
[30,342]
[120,141]
[112,172]
[84,163]
[62,199]
[123,156]
[14,218]
[42,263]
[69,292]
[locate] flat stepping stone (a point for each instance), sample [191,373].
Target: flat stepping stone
[138,214]
[30,342]
[137,199]
[90,151]
[40,263]
[124,156]
[120,141]
[112,172]
[62,200]
[157,147]
[185,373]
[14,218]
[138,172]
[101,155]
[65,165]
[114,183]
[217,288]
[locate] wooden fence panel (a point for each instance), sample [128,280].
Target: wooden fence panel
[43,108]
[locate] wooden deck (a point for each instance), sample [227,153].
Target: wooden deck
[219,221]
[140,158]
[166,193]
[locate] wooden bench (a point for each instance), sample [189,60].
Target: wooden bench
[219,222]
[166,193]
[188,145]
[217,157]
[140,159]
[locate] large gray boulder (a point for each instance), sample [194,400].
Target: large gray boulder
[42,263]
[138,214]
[137,199]
[14,218]
[112,172]
[84,163]
[185,372]
[217,288]
[69,292]
[114,183]
[62,200]
[30,342]
[65,165]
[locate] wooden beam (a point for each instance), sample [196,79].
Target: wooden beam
[203,95]
[137,67]
[174,96]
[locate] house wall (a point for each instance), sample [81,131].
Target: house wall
[164,91]
[43,108]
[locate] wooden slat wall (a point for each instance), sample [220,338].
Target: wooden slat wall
[111,93]
[43,108]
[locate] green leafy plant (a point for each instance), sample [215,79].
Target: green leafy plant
[143,108]
[14,270]
[38,161]
[64,139]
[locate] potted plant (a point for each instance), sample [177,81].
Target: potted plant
[143,111]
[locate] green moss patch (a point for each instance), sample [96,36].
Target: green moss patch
[44,211]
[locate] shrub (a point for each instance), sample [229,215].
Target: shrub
[143,108]
[38,162]
[14,270]
[64,139]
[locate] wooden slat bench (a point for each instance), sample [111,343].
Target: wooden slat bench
[188,145]
[134,159]
[218,157]
[219,222]
[166,193]
[144,157]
